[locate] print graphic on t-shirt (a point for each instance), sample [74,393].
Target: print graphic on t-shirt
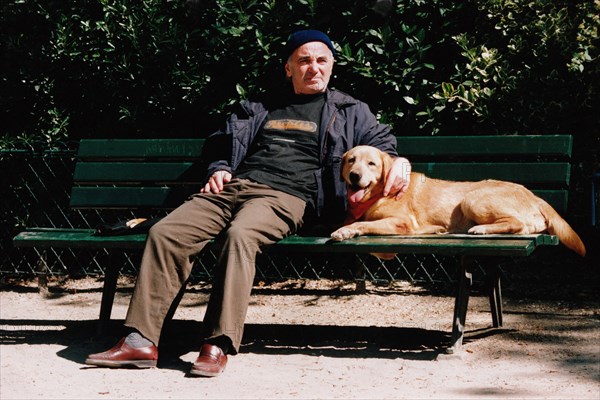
[290,125]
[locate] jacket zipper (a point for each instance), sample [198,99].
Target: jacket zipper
[327,130]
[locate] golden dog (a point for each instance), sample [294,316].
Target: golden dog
[438,206]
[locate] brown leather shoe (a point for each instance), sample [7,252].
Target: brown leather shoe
[210,362]
[123,355]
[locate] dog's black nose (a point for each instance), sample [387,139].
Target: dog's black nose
[354,177]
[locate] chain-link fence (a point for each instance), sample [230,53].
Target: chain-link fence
[36,188]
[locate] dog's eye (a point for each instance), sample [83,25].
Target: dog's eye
[351,160]
[372,163]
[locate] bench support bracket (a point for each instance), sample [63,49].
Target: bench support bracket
[108,294]
[495,295]
[42,273]
[465,281]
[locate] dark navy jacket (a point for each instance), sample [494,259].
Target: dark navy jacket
[345,123]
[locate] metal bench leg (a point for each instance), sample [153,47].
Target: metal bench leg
[108,295]
[461,304]
[42,273]
[495,296]
[359,272]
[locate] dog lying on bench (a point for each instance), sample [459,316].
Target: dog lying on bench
[438,206]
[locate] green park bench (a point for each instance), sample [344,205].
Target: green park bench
[144,174]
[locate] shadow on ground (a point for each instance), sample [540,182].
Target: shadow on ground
[181,337]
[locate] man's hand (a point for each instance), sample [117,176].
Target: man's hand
[216,181]
[398,178]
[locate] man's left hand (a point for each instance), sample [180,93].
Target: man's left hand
[398,178]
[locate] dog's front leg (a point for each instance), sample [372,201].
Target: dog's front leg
[387,226]
[346,232]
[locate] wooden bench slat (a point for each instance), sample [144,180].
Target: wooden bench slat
[120,172]
[474,245]
[77,238]
[168,198]
[434,146]
[542,172]
[537,238]
[509,145]
[559,199]
[130,197]
[140,148]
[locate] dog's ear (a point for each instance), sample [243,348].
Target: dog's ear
[386,162]
[342,162]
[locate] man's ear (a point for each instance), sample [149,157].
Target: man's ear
[288,71]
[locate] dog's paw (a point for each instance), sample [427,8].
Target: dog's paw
[344,233]
[478,230]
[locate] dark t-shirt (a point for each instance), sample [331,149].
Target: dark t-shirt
[285,152]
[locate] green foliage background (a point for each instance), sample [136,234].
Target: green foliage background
[152,68]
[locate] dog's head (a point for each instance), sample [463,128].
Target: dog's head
[364,169]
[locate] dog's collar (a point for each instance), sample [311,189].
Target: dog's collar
[357,210]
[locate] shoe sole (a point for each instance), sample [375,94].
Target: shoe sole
[198,372]
[119,364]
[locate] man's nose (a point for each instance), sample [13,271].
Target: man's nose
[314,67]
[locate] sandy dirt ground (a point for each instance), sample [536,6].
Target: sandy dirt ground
[306,340]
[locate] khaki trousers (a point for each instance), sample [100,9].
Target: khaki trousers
[246,216]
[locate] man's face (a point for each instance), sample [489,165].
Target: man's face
[309,68]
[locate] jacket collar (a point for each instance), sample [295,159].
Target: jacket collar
[339,99]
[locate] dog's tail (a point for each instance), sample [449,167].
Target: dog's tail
[559,227]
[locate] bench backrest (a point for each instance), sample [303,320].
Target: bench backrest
[161,173]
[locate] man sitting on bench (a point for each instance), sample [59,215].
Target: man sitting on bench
[280,171]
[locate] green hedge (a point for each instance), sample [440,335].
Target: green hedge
[116,68]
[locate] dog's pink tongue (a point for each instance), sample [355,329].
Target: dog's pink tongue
[357,196]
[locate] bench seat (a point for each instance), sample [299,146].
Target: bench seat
[447,244]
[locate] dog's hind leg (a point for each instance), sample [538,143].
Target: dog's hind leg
[500,225]
[430,229]
[494,211]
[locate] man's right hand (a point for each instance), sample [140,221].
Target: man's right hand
[216,182]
